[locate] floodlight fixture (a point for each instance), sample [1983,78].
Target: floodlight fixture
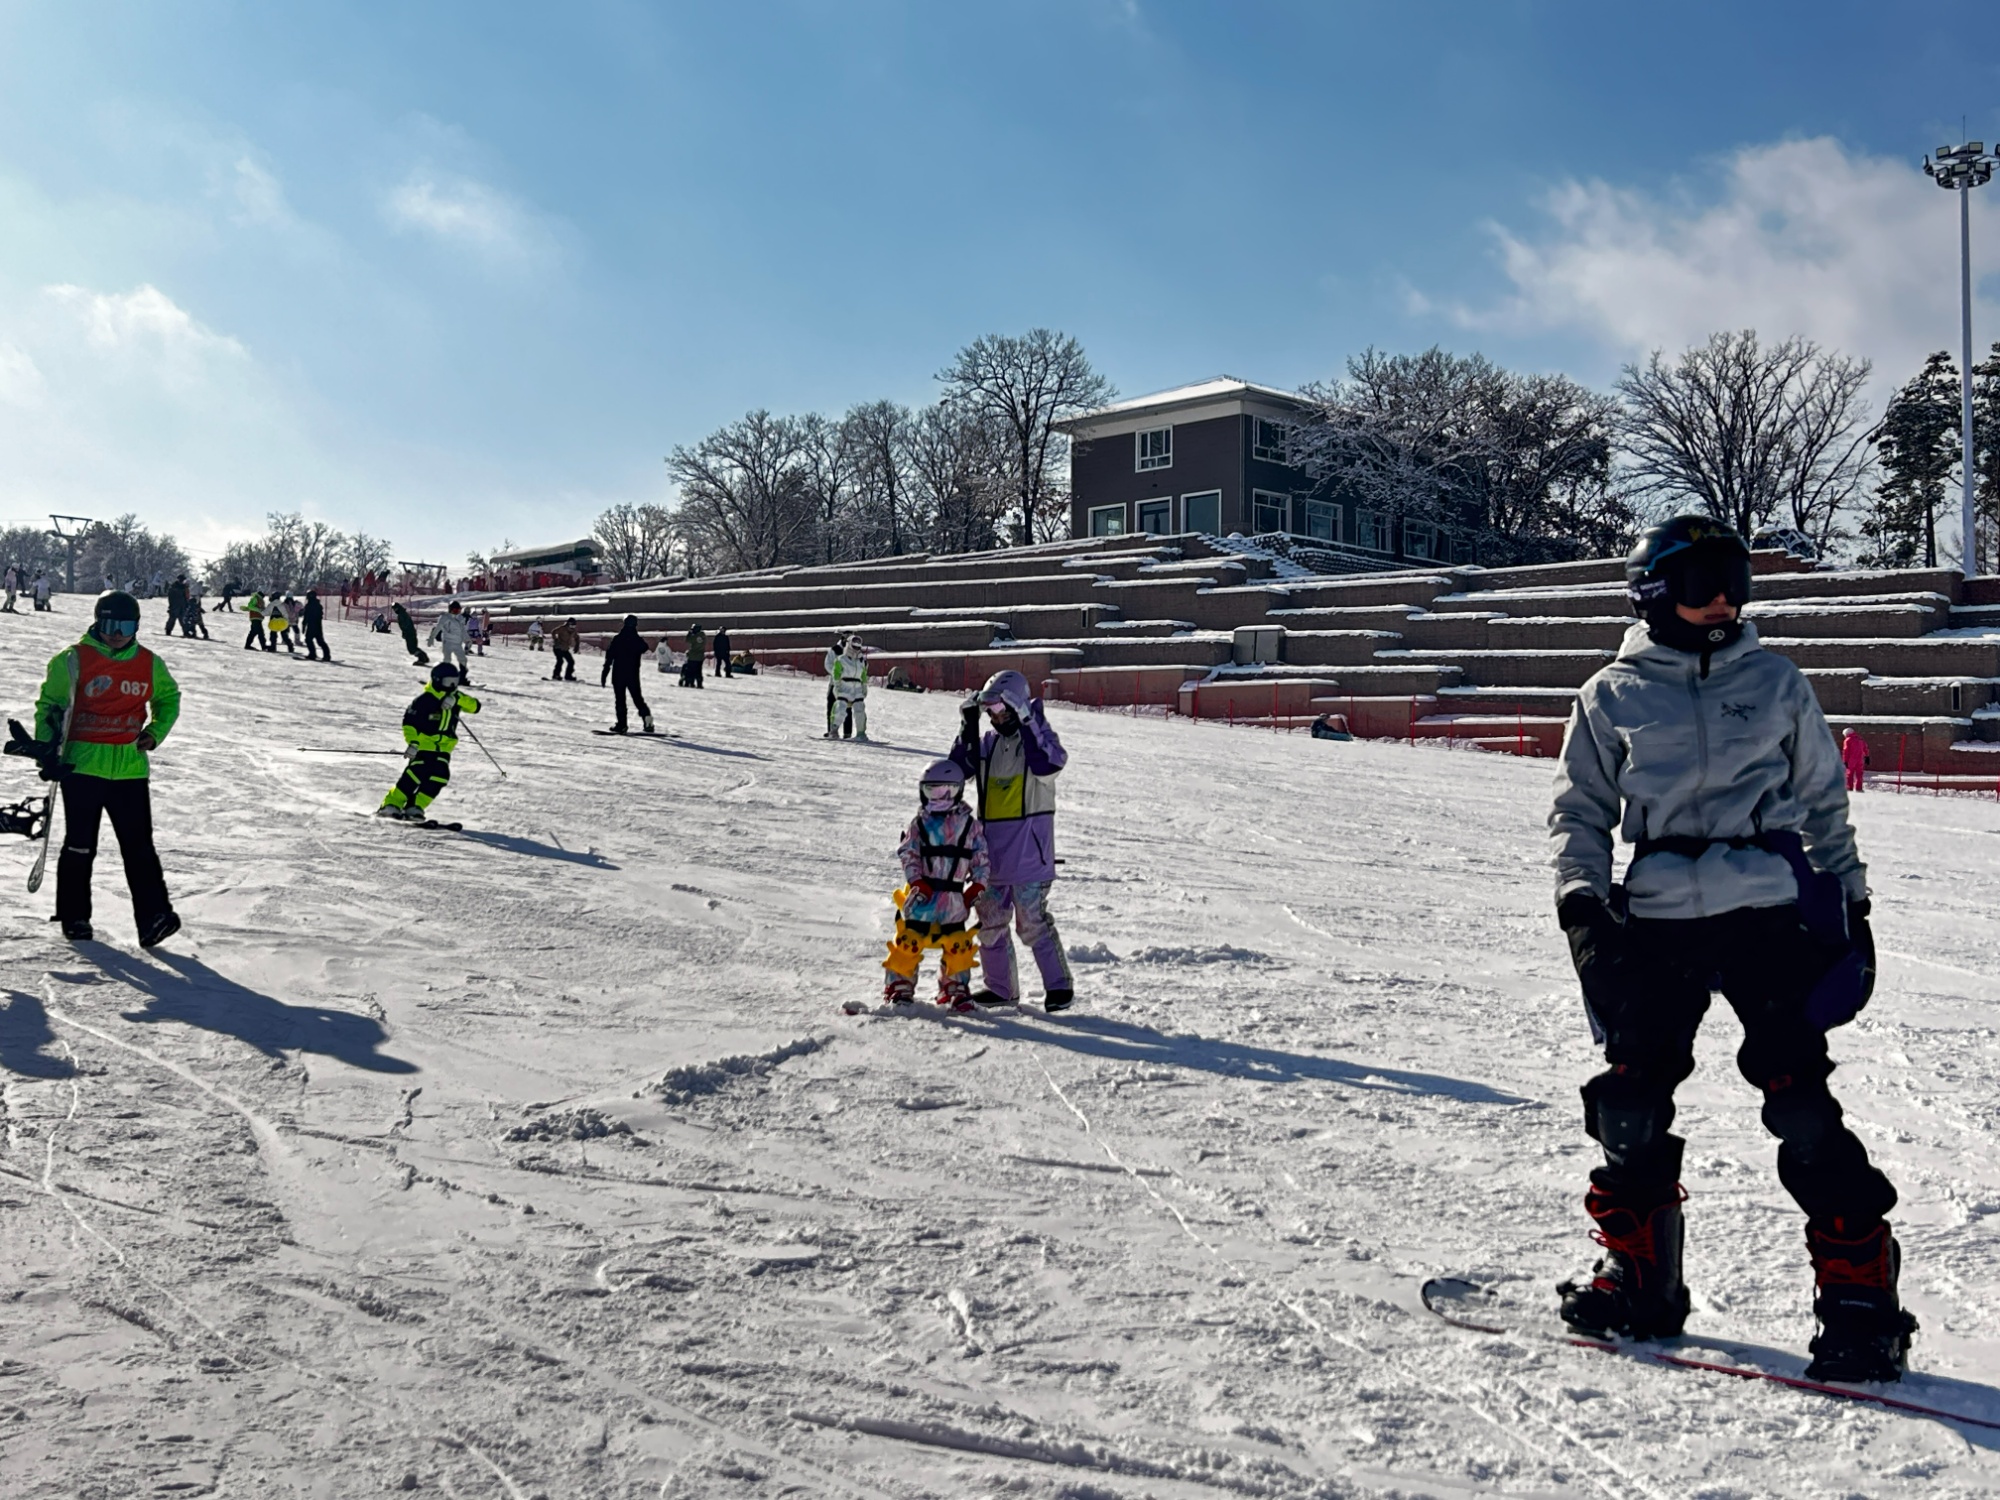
[1960,169]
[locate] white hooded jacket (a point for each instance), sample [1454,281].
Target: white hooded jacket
[1655,749]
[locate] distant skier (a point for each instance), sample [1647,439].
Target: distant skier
[450,632]
[312,621]
[191,613]
[253,610]
[1854,756]
[848,671]
[409,628]
[945,870]
[42,590]
[430,733]
[177,593]
[564,640]
[697,645]
[1712,756]
[278,625]
[229,592]
[720,650]
[663,655]
[13,583]
[537,636]
[111,702]
[475,630]
[832,658]
[1016,762]
[623,656]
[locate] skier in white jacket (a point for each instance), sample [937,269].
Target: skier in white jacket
[450,634]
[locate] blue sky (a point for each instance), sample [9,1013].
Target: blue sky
[458,272]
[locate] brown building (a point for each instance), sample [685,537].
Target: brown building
[1211,458]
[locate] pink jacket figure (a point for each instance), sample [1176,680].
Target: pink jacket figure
[1854,755]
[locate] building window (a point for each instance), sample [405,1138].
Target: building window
[1461,550]
[1202,512]
[1267,440]
[1318,519]
[1267,511]
[1371,530]
[1107,520]
[1420,539]
[1156,448]
[1156,516]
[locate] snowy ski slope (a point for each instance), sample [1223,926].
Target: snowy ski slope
[538,1160]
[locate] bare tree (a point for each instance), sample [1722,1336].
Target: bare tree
[637,540]
[1027,384]
[878,433]
[958,476]
[744,499]
[1750,433]
[831,459]
[125,551]
[362,554]
[292,553]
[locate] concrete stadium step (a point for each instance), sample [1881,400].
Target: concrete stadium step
[1562,668]
[1249,696]
[1461,630]
[1837,689]
[1542,575]
[1401,588]
[1950,697]
[1858,584]
[1119,687]
[1035,622]
[1116,629]
[1521,735]
[1210,603]
[1204,650]
[828,620]
[1975,616]
[1327,648]
[1581,632]
[1588,600]
[1926,656]
[998,565]
[1504,702]
[717,600]
[1379,681]
[1873,617]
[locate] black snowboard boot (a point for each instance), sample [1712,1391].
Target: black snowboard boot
[158,929]
[76,932]
[1056,1000]
[1636,1291]
[988,999]
[1864,1334]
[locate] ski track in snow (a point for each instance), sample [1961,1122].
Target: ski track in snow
[538,1159]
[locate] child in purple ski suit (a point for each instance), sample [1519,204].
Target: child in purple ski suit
[1016,762]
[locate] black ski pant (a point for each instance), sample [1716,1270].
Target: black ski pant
[417,653]
[565,665]
[619,688]
[193,621]
[130,805]
[256,635]
[1649,1010]
[424,776]
[316,636]
[722,667]
[174,617]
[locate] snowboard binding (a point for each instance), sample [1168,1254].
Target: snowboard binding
[29,818]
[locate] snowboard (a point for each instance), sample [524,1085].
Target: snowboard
[914,1008]
[1479,1309]
[636,734]
[41,864]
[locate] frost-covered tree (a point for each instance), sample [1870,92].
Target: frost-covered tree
[1026,385]
[744,499]
[127,552]
[958,467]
[879,432]
[293,553]
[1917,446]
[635,541]
[36,550]
[1749,432]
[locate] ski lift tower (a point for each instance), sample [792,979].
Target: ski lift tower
[78,525]
[1960,169]
[426,573]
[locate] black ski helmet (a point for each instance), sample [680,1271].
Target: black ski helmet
[114,605]
[1688,560]
[445,676]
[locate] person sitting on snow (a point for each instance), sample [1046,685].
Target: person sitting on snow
[430,733]
[945,870]
[1016,762]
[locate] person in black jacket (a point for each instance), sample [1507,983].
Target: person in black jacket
[721,650]
[622,659]
[314,618]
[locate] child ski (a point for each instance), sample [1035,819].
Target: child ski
[943,854]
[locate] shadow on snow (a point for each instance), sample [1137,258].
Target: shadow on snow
[189,991]
[24,1031]
[514,844]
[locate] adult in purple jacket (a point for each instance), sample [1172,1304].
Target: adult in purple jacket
[1015,763]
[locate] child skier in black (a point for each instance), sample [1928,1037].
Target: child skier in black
[943,854]
[430,730]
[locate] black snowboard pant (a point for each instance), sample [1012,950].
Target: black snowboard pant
[565,665]
[130,805]
[316,636]
[619,689]
[722,667]
[256,635]
[175,616]
[1765,965]
[417,653]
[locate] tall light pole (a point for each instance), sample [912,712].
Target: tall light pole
[1963,168]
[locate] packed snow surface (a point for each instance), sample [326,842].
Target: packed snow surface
[540,1160]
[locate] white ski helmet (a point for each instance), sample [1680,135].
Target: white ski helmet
[941,787]
[1010,688]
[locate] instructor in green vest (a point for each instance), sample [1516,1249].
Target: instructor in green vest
[109,702]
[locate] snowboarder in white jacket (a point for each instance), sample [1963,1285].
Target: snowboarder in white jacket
[449,634]
[847,672]
[1710,755]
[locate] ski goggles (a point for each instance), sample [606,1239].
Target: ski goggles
[119,627]
[1695,575]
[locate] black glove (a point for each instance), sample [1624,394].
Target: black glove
[968,722]
[1599,949]
[1863,937]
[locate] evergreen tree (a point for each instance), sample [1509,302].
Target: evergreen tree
[1986,461]
[1917,445]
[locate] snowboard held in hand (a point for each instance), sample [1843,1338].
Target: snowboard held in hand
[1480,1309]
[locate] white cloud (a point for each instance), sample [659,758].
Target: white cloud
[1859,252]
[21,382]
[145,317]
[260,197]
[464,212]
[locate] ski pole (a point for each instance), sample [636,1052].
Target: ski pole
[318,750]
[482,748]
